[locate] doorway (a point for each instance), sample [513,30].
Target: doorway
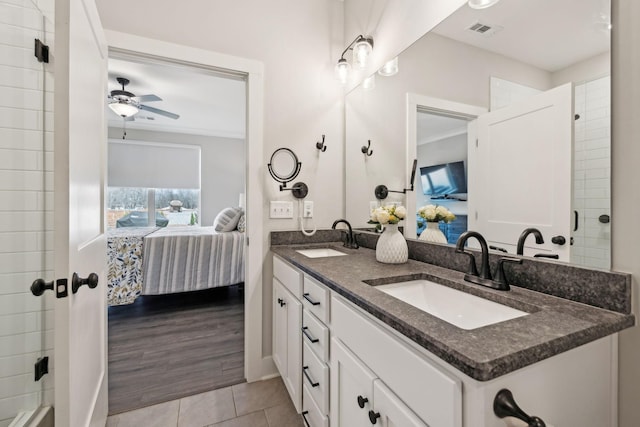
[181,340]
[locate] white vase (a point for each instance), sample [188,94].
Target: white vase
[391,247]
[433,233]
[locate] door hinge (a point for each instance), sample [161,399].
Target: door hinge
[476,142]
[247,239]
[476,215]
[41,367]
[41,51]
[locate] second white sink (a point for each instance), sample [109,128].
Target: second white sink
[320,252]
[459,308]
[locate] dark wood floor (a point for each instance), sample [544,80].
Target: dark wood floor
[166,347]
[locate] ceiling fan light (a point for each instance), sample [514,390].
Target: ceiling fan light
[123,109]
[481,4]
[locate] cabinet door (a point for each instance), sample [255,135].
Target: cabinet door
[287,341]
[389,411]
[351,388]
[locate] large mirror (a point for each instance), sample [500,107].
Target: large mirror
[516,99]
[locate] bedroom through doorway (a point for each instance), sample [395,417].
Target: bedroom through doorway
[176,199]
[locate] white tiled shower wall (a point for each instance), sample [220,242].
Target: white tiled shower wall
[592,164]
[26,202]
[592,173]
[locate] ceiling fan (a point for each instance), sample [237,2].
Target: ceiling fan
[127,105]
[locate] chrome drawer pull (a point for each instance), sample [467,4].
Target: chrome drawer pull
[308,298]
[309,337]
[306,374]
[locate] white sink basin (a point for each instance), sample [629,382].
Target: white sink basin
[320,252]
[459,308]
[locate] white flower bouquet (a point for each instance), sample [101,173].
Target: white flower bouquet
[390,214]
[434,213]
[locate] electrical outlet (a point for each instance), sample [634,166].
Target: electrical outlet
[308,209]
[280,209]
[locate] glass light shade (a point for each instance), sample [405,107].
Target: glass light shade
[481,4]
[361,51]
[390,68]
[369,83]
[342,70]
[123,109]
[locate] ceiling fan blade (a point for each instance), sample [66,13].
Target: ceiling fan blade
[158,111]
[147,98]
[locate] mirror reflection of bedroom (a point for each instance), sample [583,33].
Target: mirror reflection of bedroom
[175,218]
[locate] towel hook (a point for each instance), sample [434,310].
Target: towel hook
[366,149]
[320,145]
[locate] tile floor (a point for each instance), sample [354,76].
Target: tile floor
[259,404]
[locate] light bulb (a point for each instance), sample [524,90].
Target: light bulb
[342,70]
[361,51]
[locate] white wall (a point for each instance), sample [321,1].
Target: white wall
[625,152]
[222,167]
[26,322]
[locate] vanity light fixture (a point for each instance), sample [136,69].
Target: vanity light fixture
[390,68]
[362,47]
[124,109]
[481,4]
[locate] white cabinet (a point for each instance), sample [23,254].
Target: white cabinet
[287,322]
[342,366]
[360,398]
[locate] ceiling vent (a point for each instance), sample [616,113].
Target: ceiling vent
[485,30]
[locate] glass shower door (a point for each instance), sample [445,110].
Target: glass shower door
[26,195]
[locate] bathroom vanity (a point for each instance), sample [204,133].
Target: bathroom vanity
[353,355]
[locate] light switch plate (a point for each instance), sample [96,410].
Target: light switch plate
[308,209]
[281,209]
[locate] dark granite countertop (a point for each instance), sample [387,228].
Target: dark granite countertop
[553,326]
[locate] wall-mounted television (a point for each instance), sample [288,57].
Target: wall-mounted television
[444,179]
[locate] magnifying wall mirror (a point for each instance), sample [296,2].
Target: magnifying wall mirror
[284,166]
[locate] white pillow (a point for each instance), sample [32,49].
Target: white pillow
[227,219]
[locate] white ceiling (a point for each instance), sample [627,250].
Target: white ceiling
[548,34]
[208,103]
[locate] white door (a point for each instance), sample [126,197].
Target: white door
[520,173]
[80,57]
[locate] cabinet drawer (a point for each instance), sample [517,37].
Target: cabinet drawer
[310,411]
[435,396]
[315,375]
[290,277]
[316,334]
[315,298]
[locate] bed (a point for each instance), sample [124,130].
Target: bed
[154,261]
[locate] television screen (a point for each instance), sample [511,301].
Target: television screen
[444,179]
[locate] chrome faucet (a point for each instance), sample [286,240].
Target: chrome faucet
[523,237]
[485,271]
[350,240]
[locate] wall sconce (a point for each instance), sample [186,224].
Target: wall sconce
[362,47]
[481,4]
